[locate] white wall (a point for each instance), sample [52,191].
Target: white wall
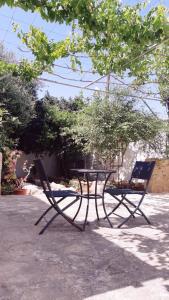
[133,153]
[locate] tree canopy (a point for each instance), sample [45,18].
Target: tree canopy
[17,98]
[46,130]
[105,127]
[118,38]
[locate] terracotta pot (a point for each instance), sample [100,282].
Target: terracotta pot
[21,192]
[138,187]
[123,185]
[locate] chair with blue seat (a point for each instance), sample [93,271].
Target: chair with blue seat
[55,197]
[142,170]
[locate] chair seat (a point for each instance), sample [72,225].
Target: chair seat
[61,193]
[116,191]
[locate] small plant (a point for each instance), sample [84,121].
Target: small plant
[10,182]
[20,181]
[9,170]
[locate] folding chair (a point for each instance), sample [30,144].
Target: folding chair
[52,197]
[142,170]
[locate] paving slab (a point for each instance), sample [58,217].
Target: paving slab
[131,263]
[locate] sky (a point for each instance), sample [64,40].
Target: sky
[57,32]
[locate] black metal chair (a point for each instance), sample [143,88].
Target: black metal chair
[52,195]
[142,170]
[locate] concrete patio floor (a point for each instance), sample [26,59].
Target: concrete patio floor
[65,264]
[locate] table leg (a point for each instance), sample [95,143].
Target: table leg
[87,210]
[96,207]
[106,215]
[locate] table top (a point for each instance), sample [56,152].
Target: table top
[93,171]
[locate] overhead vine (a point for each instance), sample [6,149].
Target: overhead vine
[116,37]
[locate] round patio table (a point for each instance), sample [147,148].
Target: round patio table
[87,173]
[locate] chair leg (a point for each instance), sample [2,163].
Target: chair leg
[120,202]
[41,217]
[60,212]
[69,219]
[106,215]
[49,208]
[136,208]
[78,210]
[48,223]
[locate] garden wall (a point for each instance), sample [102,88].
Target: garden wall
[159,182]
[50,163]
[54,167]
[160,178]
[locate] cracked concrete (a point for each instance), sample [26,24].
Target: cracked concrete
[101,263]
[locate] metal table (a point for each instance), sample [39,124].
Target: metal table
[95,195]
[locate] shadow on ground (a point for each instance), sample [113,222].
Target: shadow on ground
[66,264]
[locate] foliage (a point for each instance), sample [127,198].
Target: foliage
[117,37]
[7,125]
[71,104]
[17,98]
[5,55]
[106,127]
[9,179]
[25,70]
[46,130]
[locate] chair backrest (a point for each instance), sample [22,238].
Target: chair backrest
[42,175]
[143,170]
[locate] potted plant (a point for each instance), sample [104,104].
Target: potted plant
[10,183]
[8,170]
[20,189]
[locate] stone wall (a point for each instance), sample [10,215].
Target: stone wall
[159,182]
